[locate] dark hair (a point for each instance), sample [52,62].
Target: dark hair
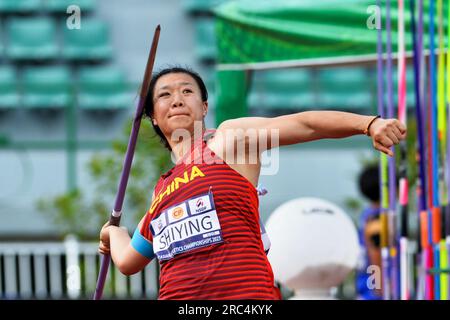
[369,183]
[148,105]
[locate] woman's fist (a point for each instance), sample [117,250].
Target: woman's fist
[385,133]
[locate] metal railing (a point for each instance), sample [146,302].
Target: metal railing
[66,270]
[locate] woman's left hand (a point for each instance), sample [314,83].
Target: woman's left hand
[385,133]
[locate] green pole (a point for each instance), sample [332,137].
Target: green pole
[71,145]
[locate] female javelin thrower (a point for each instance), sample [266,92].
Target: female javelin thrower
[203,221]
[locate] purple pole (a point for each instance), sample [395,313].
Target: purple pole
[391,161]
[422,201]
[114,219]
[390,107]
[421,58]
[418,109]
[384,243]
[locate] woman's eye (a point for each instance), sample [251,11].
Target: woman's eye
[164,94]
[187,91]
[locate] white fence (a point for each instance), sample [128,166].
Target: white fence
[66,270]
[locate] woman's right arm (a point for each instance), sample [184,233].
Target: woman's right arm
[124,250]
[117,242]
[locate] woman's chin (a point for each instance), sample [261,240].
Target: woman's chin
[181,123]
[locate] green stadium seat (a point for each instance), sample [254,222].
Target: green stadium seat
[2,46]
[411,99]
[89,43]
[47,87]
[31,39]
[9,95]
[344,100]
[103,88]
[293,101]
[60,6]
[282,79]
[205,49]
[19,6]
[282,89]
[349,88]
[343,79]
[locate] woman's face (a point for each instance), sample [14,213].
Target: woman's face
[177,103]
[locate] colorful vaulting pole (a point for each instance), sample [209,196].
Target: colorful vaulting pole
[445,253]
[383,172]
[428,242]
[117,211]
[422,61]
[440,250]
[391,164]
[403,182]
[420,156]
[435,210]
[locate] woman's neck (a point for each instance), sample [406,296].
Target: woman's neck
[184,145]
[181,148]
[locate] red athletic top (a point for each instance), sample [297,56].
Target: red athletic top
[234,268]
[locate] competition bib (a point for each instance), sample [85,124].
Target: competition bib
[186,226]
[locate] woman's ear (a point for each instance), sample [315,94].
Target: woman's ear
[154,122]
[205,108]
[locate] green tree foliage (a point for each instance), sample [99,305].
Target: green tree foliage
[83,214]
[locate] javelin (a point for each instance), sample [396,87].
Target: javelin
[114,218]
[393,265]
[421,184]
[383,173]
[403,183]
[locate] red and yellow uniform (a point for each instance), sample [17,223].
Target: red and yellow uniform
[204,227]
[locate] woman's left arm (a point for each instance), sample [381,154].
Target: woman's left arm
[314,125]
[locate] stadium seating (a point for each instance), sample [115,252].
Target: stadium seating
[2,46]
[19,6]
[89,43]
[281,89]
[47,87]
[344,88]
[31,38]
[103,87]
[9,95]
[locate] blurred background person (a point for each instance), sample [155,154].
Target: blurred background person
[369,234]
